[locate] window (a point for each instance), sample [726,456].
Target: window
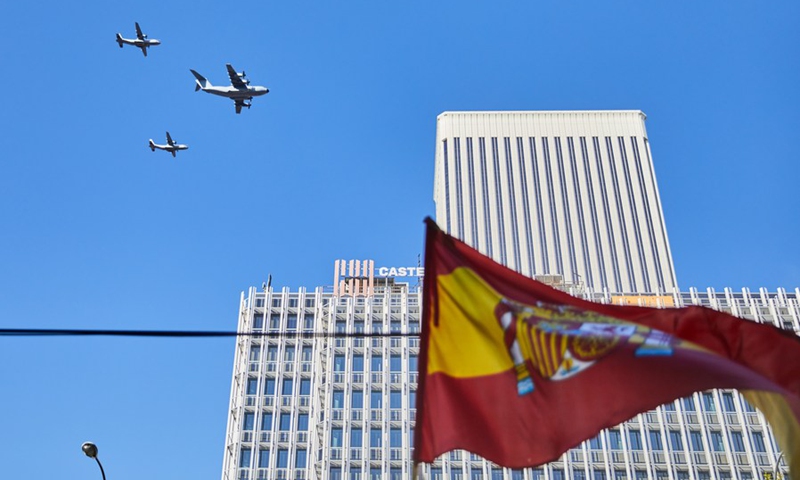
[266,421]
[249,421]
[302,422]
[696,440]
[635,438]
[688,404]
[747,406]
[395,438]
[286,389]
[375,438]
[255,353]
[476,475]
[708,402]
[737,442]
[456,474]
[252,386]
[675,440]
[376,399]
[244,458]
[335,473]
[614,440]
[669,407]
[263,458]
[412,399]
[355,472]
[272,353]
[436,473]
[558,474]
[727,402]
[283,458]
[758,442]
[395,473]
[357,400]
[338,399]
[291,321]
[595,443]
[305,386]
[338,363]
[377,363]
[395,363]
[306,355]
[599,475]
[395,399]
[537,474]
[655,440]
[356,438]
[288,353]
[412,363]
[275,321]
[269,387]
[620,475]
[300,458]
[578,474]
[716,441]
[358,363]
[258,321]
[286,422]
[640,475]
[336,437]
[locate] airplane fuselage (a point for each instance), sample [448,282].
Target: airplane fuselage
[140,43]
[171,148]
[237,93]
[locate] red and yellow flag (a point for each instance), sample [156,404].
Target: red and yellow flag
[518,372]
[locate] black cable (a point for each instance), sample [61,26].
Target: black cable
[46,332]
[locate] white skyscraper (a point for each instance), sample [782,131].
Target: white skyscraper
[568,194]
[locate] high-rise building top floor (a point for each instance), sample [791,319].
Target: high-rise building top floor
[556,193]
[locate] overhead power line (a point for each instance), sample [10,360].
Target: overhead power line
[54,332]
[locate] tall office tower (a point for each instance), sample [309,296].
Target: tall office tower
[567,196]
[334,407]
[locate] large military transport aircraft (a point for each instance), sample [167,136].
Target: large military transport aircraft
[140,41]
[240,90]
[170,147]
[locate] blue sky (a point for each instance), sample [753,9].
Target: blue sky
[96,231]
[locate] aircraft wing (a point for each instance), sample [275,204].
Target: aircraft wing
[170,140]
[144,49]
[236,80]
[139,33]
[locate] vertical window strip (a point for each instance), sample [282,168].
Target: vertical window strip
[607,215]
[512,202]
[473,209]
[634,214]
[660,216]
[580,211]
[459,192]
[573,264]
[593,211]
[537,191]
[446,188]
[626,249]
[552,201]
[487,214]
[648,215]
[498,188]
[526,208]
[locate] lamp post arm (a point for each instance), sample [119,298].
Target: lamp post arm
[103,472]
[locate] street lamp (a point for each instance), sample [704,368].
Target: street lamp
[90,449]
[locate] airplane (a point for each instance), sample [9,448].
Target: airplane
[140,41]
[240,90]
[170,147]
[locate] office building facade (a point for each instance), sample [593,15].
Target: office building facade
[568,194]
[343,407]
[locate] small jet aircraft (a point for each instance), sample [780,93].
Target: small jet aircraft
[240,90]
[140,41]
[170,147]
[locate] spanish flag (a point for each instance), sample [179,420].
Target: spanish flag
[518,372]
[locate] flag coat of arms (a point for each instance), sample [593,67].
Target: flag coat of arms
[518,372]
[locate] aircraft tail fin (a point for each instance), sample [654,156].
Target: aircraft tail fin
[201,82]
[119,40]
[152,145]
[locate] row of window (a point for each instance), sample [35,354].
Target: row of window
[262,458]
[376,437]
[287,386]
[376,399]
[376,363]
[285,423]
[676,440]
